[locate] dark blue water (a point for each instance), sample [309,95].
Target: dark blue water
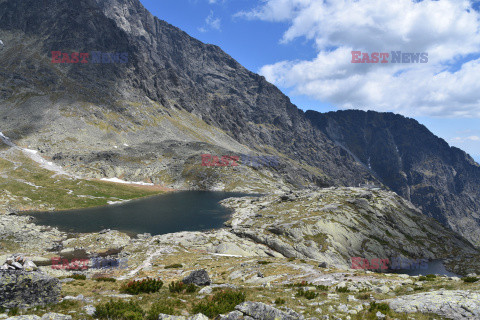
[432,267]
[171,212]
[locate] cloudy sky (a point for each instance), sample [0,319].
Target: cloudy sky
[305,48]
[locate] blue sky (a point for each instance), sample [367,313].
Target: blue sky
[304,47]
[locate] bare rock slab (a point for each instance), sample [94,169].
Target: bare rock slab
[451,304]
[27,289]
[260,311]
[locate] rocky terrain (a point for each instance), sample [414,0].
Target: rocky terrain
[335,224]
[284,255]
[273,248]
[151,119]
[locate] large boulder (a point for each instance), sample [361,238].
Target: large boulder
[260,311]
[198,277]
[23,289]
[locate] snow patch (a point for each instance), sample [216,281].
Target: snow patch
[226,255]
[33,154]
[116,180]
[117,202]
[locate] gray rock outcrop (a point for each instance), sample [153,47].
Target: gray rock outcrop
[333,225]
[26,289]
[260,311]
[452,304]
[198,277]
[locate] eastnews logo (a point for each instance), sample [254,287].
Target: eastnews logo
[396,57]
[397,263]
[84,264]
[209,160]
[96,57]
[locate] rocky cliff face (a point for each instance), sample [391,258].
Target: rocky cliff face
[177,98]
[405,156]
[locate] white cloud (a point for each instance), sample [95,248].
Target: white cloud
[211,23]
[465,139]
[447,29]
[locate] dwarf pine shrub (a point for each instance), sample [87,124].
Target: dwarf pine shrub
[470,279]
[78,276]
[119,310]
[160,307]
[180,287]
[222,302]
[142,286]
[307,294]
[379,307]
[106,279]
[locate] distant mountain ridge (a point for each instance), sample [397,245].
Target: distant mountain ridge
[177,98]
[413,162]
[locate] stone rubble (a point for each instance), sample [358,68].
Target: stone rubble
[19,262]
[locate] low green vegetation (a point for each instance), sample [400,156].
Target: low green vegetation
[174,266]
[382,307]
[470,279]
[142,286]
[35,187]
[180,287]
[78,276]
[298,284]
[363,296]
[105,279]
[342,289]
[428,277]
[119,310]
[222,302]
[160,307]
[322,287]
[308,294]
[371,313]
[13,312]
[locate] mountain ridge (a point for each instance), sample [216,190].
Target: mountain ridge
[177,98]
[411,167]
